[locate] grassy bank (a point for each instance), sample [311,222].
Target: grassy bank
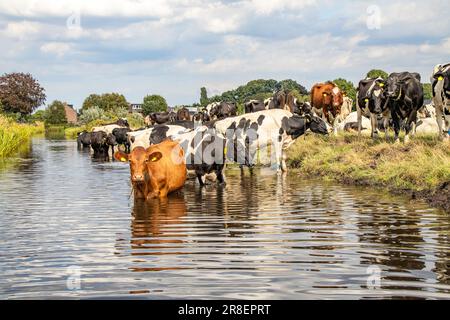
[13,135]
[421,167]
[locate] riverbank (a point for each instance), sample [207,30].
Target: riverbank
[13,135]
[420,168]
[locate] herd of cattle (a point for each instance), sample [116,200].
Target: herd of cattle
[172,143]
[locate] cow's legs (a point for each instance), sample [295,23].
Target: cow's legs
[283,162]
[374,123]
[359,114]
[439,118]
[410,124]
[200,179]
[396,120]
[219,174]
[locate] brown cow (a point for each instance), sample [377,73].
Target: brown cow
[326,101]
[157,170]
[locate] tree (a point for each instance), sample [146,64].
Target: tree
[203,97]
[347,87]
[291,85]
[38,115]
[427,91]
[375,73]
[154,103]
[107,101]
[20,93]
[55,114]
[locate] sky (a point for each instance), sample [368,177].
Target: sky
[174,47]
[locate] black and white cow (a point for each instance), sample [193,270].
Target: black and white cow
[440,83]
[247,133]
[204,152]
[405,98]
[371,102]
[122,137]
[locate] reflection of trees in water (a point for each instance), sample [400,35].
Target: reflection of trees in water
[442,264]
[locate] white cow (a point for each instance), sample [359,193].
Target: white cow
[157,133]
[427,126]
[440,81]
[108,128]
[350,123]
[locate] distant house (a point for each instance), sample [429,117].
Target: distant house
[71,114]
[135,108]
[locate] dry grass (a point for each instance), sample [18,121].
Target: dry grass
[14,135]
[423,164]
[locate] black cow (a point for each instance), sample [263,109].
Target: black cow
[254,106]
[405,98]
[84,139]
[223,110]
[99,143]
[371,102]
[122,138]
[163,117]
[440,83]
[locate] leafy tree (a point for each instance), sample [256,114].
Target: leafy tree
[203,97]
[92,114]
[20,93]
[55,114]
[375,73]
[154,103]
[107,102]
[291,85]
[427,91]
[347,87]
[38,116]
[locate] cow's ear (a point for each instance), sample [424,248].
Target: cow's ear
[121,156]
[155,156]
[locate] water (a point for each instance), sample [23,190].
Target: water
[68,229]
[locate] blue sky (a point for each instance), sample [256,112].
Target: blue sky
[137,47]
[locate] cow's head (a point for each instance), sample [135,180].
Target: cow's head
[337,99]
[378,96]
[137,159]
[111,140]
[317,125]
[445,77]
[395,87]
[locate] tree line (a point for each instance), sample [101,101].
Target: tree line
[21,94]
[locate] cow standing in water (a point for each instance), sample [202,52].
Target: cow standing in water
[405,98]
[326,102]
[440,83]
[279,128]
[371,102]
[157,170]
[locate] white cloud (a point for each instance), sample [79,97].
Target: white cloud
[21,30]
[56,48]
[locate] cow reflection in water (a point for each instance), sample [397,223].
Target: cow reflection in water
[151,222]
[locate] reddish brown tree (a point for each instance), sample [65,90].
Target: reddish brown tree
[20,93]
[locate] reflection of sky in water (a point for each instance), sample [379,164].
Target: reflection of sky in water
[259,237]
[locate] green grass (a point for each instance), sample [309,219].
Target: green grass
[14,135]
[420,165]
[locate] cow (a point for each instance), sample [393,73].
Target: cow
[440,84]
[199,118]
[83,139]
[254,106]
[245,134]
[106,128]
[100,143]
[183,114]
[427,111]
[153,135]
[122,138]
[209,107]
[405,98]
[351,123]
[371,102]
[162,117]
[223,110]
[427,126]
[157,170]
[204,152]
[326,101]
